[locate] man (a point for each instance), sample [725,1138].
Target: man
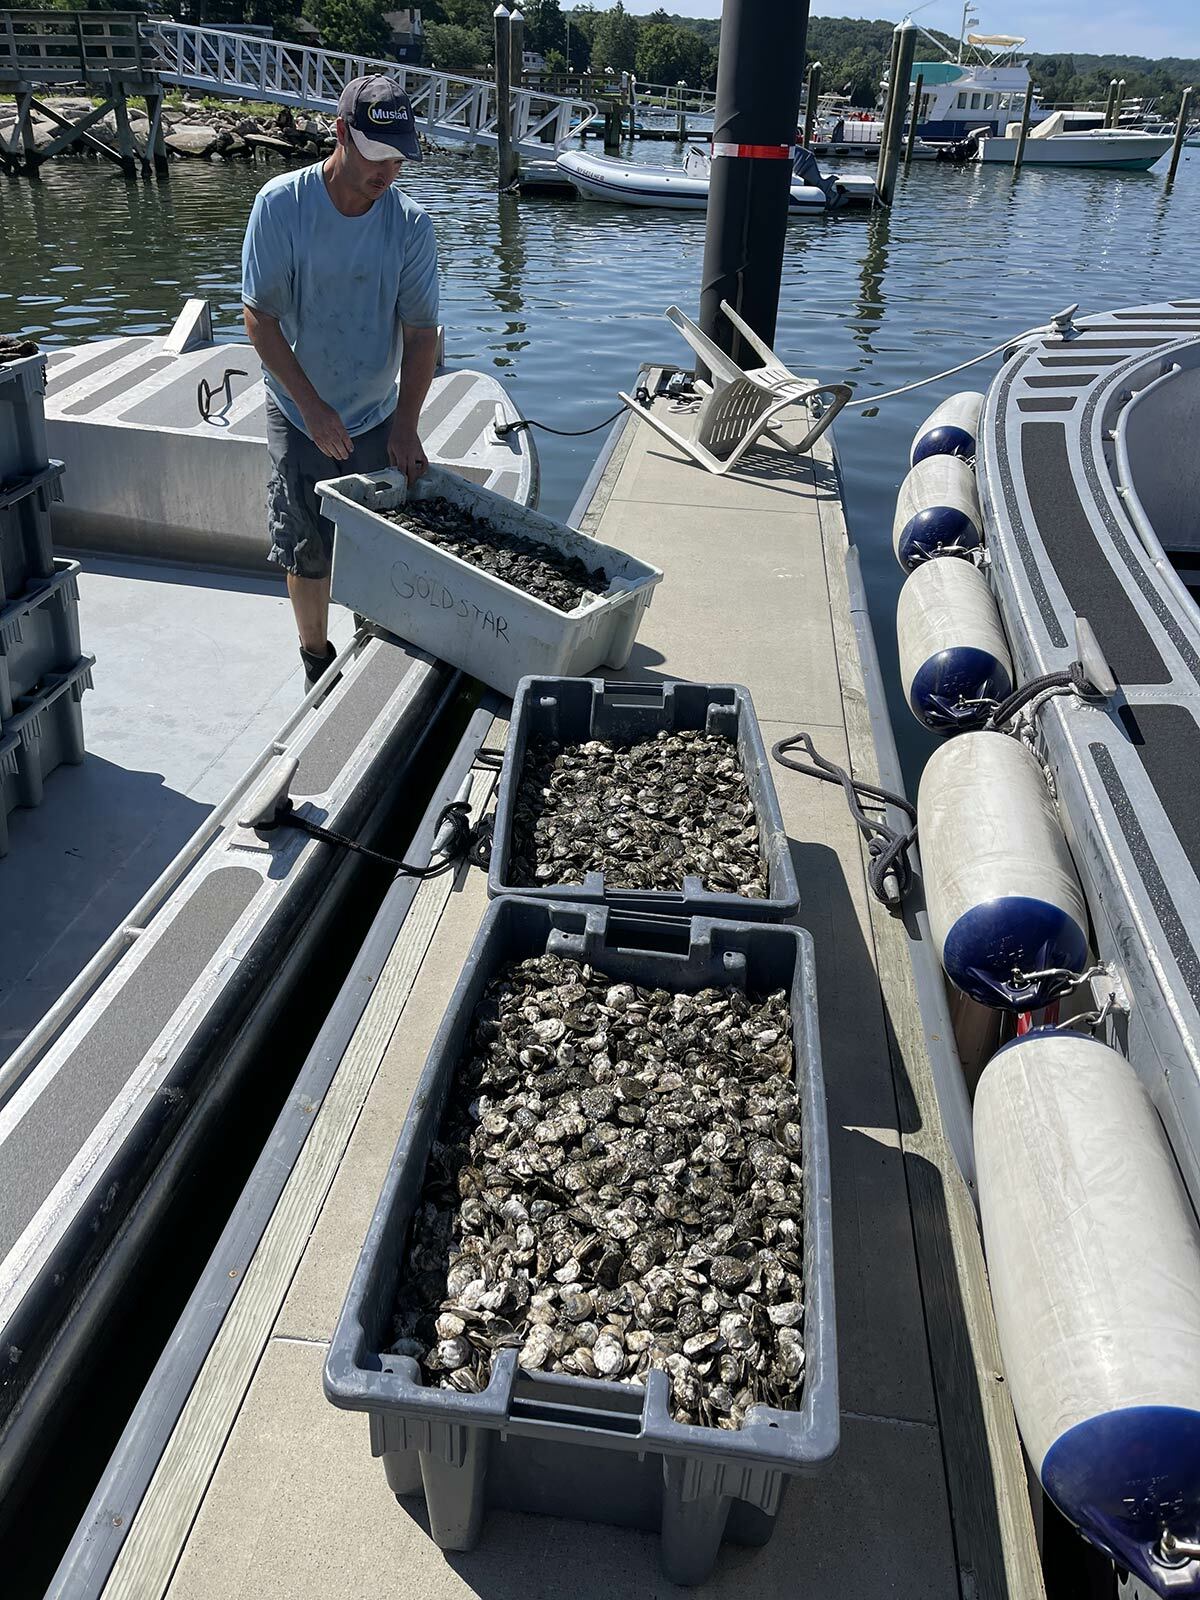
[339,275]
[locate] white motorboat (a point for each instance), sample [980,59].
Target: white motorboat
[1077,139]
[685,188]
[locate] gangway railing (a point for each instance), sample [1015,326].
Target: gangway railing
[673,98]
[51,46]
[448,107]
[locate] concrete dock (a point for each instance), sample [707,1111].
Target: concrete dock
[264,1490]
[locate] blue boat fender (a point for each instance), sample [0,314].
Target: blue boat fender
[937,512]
[950,430]
[1006,911]
[954,658]
[1093,1257]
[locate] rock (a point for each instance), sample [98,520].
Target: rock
[44,132]
[266,141]
[192,139]
[237,146]
[246,125]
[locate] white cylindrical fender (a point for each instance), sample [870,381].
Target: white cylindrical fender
[1003,897]
[1094,1262]
[937,512]
[953,653]
[950,430]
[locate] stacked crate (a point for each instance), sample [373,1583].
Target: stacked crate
[43,673]
[559,1442]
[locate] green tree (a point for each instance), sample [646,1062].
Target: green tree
[452,48]
[657,58]
[475,14]
[614,43]
[545,26]
[356,26]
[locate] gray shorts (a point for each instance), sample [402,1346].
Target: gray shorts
[301,538]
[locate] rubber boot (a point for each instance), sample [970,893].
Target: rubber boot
[316,666]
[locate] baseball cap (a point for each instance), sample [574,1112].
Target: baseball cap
[379,117]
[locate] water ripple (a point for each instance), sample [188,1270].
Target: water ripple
[565,299]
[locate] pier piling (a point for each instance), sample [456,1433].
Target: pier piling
[1181,124]
[912,121]
[506,161]
[754,127]
[812,94]
[904,42]
[881,160]
[1026,110]
[1110,103]
[516,48]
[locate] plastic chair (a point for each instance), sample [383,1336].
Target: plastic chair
[739,406]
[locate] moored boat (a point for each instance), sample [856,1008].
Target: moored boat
[1074,139]
[1061,851]
[685,188]
[166,441]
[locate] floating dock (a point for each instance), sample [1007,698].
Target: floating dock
[236,1477]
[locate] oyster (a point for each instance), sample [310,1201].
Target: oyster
[645,814]
[633,1207]
[540,570]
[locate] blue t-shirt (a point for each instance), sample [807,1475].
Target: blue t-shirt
[341,288]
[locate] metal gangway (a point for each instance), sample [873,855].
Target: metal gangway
[449,107]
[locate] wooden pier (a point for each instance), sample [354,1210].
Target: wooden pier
[102,50]
[260,1488]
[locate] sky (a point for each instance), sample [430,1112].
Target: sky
[1124,27]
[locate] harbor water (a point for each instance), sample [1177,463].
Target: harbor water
[563,299]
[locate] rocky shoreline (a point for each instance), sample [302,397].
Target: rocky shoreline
[193,132]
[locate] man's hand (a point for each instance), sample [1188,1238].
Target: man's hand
[405,450]
[326,429]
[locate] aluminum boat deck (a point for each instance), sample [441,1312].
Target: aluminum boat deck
[1087,451]
[235,1477]
[164,638]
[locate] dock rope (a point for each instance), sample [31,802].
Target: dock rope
[1071,680]
[889,871]
[1061,324]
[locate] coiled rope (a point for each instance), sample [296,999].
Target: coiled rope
[888,849]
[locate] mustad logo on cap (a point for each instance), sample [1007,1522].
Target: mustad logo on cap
[387,114]
[379,119]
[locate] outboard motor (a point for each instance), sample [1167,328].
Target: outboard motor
[806,170]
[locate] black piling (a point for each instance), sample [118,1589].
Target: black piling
[758,102]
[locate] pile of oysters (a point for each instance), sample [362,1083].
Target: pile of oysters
[646,814]
[615,1187]
[563,581]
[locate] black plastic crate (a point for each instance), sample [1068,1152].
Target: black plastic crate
[26,545]
[578,1447]
[44,732]
[22,419]
[39,635]
[572,710]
